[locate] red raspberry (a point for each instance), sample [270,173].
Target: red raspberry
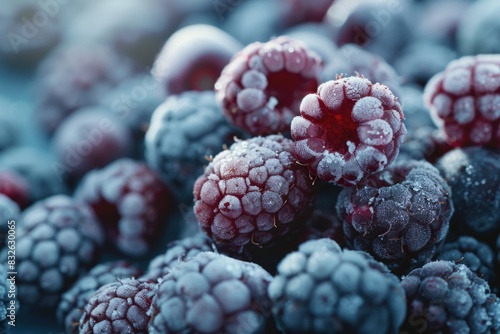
[253,193]
[465,100]
[348,130]
[261,88]
[131,201]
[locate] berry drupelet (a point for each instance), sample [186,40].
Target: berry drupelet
[57,240]
[131,201]
[444,297]
[322,289]
[261,88]
[118,307]
[473,176]
[73,301]
[211,294]
[210,49]
[184,131]
[348,130]
[400,216]
[253,194]
[177,252]
[477,256]
[464,100]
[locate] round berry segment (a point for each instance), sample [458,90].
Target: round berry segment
[118,307]
[252,193]
[57,240]
[444,297]
[261,88]
[322,289]
[465,100]
[400,215]
[211,294]
[131,202]
[348,130]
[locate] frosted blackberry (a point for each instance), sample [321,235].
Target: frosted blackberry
[380,27]
[76,76]
[322,289]
[348,130]
[73,301]
[9,210]
[211,293]
[118,307]
[210,49]
[473,176]
[400,216]
[36,167]
[351,59]
[177,252]
[186,130]
[57,240]
[464,101]
[253,194]
[479,28]
[477,256]
[15,187]
[88,139]
[444,297]
[261,88]
[131,202]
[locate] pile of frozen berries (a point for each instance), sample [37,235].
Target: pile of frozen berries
[244,167]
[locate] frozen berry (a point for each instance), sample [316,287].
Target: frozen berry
[317,37]
[261,88]
[177,252]
[131,202]
[88,139]
[211,293]
[253,193]
[37,168]
[9,214]
[73,301]
[56,241]
[476,255]
[15,187]
[299,11]
[210,49]
[378,26]
[351,59]
[8,305]
[444,297]
[479,28]
[473,176]
[348,130]
[76,76]
[464,99]
[118,307]
[400,215]
[322,289]
[185,130]
[420,61]
[135,30]
[133,102]
[424,143]
[28,31]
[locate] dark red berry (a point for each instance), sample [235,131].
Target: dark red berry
[131,201]
[15,187]
[348,130]
[465,101]
[253,193]
[261,88]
